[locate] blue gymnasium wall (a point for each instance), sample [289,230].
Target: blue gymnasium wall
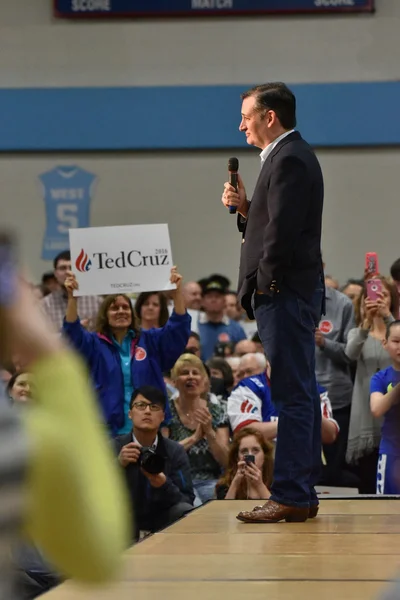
[201,117]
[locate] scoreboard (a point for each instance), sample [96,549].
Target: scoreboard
[192,8]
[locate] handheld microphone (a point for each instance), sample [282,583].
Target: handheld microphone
[233,168]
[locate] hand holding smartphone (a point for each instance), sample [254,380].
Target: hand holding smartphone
[373,284]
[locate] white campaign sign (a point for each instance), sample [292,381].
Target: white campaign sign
[127,259]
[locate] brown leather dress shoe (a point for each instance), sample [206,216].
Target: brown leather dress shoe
[312,511]
[272,512]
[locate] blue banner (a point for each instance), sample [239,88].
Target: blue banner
[67,194]
[189,8]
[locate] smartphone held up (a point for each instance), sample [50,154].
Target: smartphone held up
[374,289]
[371,264]
[372,282]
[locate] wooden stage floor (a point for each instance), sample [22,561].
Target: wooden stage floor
[350,552]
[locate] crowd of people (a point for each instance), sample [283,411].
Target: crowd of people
[182,385]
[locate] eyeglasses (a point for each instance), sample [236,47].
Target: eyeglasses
[143,405]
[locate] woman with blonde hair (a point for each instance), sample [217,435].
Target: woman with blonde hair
[250,467]
[199,422]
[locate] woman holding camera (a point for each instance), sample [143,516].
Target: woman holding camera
[121,357]
[250,467]
[365,345]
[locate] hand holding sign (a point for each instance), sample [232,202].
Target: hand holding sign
[179,301]
[175,279]
[370,309]
[71,284]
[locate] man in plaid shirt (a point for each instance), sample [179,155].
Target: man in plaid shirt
[55,304]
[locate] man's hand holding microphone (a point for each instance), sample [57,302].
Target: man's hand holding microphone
[234,193]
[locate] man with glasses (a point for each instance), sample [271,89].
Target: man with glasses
[160,497]
[55,303]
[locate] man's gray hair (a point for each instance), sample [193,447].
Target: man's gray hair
[261,359]
[259,356]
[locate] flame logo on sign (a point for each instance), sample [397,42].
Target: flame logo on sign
[83,263]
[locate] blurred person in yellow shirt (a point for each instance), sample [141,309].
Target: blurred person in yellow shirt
[71,503]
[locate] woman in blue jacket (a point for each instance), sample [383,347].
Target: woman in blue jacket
[122,358]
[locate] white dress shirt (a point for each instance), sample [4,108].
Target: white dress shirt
[267,151]
[153,446]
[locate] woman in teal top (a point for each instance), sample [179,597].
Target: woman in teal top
[124,349]
[120,356]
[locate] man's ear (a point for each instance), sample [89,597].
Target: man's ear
[384,343]
[270,116]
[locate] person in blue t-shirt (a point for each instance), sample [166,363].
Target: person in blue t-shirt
[385,402]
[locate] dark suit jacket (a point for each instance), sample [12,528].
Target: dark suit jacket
[282,233]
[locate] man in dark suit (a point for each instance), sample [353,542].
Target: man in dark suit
[281,284]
